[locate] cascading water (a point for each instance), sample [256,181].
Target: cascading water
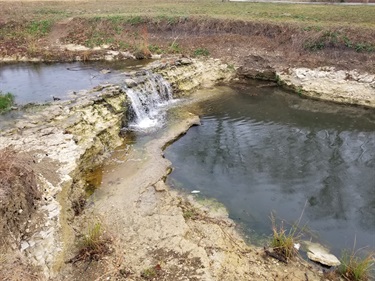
[148,98]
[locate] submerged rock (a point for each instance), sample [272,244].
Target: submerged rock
[318,253]
[130,83]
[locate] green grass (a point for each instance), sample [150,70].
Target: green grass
[135,20]
[6,101]
[190,213]
[307,15]
[283,242]
[175,48]
[310,28]
[155,49]
[40,28]
[337,39]
[201,52]
[355,268]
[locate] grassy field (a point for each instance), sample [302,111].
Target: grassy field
[310,34]
[359,16]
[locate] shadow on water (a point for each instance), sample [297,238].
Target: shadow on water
[262,149]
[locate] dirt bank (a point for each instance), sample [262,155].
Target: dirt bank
[261,50]
[36,37]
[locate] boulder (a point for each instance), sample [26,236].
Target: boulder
[318,253]
[257,67]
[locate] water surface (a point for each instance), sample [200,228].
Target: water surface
[260,150]
[40,82]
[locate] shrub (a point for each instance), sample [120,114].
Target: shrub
[6,101]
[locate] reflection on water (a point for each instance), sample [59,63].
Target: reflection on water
[262,150]
[39,82]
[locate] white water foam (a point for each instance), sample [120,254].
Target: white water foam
[149,100]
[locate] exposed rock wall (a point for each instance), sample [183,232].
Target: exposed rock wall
[187,75]
[323,83]
[62,139]
[327,83]
[67,138]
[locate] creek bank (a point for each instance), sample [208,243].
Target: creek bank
[329,84]
[323,83]
[326,83]
[68,138]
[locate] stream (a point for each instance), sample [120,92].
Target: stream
[259,149]
[263,150]
[40,82]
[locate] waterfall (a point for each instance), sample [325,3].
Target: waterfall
[149,95]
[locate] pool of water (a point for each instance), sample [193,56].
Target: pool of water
[40,82]
[263,150]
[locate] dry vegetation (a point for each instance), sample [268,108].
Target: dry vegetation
[18,195]
[94,245]
[18,191]
[308,35]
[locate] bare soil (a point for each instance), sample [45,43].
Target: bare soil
[19,196]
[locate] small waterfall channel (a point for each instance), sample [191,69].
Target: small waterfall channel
[149,94]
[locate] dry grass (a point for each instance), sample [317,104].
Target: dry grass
[283,241]
[14,267]
[356,268]
[94,245]
[18,193]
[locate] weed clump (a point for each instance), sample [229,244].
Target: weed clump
[283,242]
[93,246]
[201,52]
[355,268]
[189,212]
[6,101]
[149,273]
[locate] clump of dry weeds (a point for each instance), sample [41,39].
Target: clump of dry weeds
[356,268]
[94,245]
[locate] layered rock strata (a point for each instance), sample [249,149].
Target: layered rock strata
[69,137]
